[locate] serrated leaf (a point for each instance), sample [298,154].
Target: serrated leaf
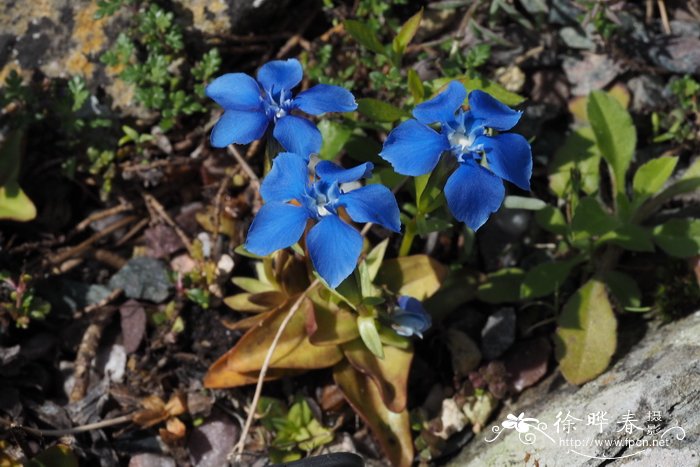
[15,205]
[418,276]
[367,327]
[591,220]
[652,176]
[614,132]
[630,237]
[679,237]
[579,154]
[552,219]
[415,86]
[501,286]
[406,33]
[379,111]
[390,373]
[523,202]
[623,289]
[364,35]
[586,335]
[392,430]
[334,136]
[545,278]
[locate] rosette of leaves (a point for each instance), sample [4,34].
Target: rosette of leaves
[347,329]
[592,224]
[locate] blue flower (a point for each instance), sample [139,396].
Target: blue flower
[473,191]
[333,245]
[250,106]
[410,317]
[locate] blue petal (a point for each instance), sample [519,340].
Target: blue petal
[327,170]
[298,135]
[334,247]
[276,226]
[495,114]
[235,91]
[324,98]
[442,107]
[473,193]
[280,75]
[287,180]
[509,156]
[411,304]
[238,126]
[372,203]
[413,148]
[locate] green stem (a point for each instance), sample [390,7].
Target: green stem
[408,237]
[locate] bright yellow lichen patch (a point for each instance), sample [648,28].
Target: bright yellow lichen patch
[78,64]
[88,32]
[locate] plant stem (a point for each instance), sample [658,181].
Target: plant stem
[238,448]
[407,240]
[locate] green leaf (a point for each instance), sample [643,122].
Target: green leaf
[679,237]
[367,326]
[418,276]
[379,111]
[623,289]
[579,155]
[364,35]
[334,136]
[501,286]
[252,285]
[415,86]
[651,176]
[14,203]
[406,33]
[690,181]
[473,83]
[426,225]
[10,157]
[586,335]
[522,202]
[255,302]
[392,430]
[590,219]
[614,132]
[545,278]
[375,257]
[552,219]
[630,237]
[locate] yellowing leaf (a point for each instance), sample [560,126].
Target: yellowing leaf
[14,203]
[392,430]
[333,327]
[390,374]
[418,276]
[293,351]
[587,334]
[255,302]
[406,33]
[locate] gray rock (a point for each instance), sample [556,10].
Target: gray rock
[660,374]
[677,54]
[591,72]
[498,333]
[151,460]
[575,38]
[211,442]
[218,17]
[143,278]
[647,93]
